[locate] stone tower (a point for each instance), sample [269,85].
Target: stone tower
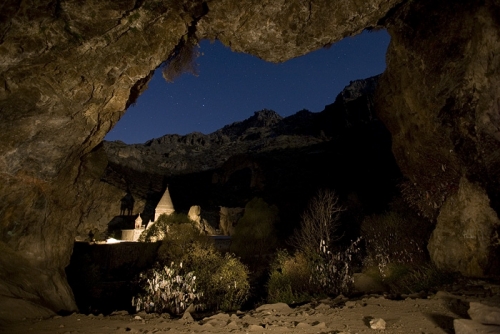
[138,222]
[164,206]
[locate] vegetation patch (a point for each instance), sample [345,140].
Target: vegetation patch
[190,271]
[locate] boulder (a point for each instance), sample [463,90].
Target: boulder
[487,315]
[464,233]
[228,219]
[465,326]
[194,213]
[377,323]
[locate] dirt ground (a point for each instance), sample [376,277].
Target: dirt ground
[418,313]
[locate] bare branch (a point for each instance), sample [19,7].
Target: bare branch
[320,222]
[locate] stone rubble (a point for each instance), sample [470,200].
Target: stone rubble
[484,320]
[377,323]
[436,313]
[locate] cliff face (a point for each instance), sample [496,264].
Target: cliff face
[439,98]
[69,69]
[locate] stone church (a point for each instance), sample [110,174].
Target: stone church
[164,206]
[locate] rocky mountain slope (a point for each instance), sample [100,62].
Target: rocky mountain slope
[175,154]
[265,131]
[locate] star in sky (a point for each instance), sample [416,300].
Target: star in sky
[231,86]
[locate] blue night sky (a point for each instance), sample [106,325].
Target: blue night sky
[231,86]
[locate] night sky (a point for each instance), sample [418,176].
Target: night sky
[231,86]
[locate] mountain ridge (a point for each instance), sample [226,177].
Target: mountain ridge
[265,130]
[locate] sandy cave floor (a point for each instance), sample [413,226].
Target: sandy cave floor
[411,314]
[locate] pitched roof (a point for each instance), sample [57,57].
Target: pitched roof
[165,205]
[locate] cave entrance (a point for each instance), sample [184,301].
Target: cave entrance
[231,86]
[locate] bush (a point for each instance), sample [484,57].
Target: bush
[332,271]
[221,283]
[289,279]
[404,279]
[179,241]
[396,250]
[329,267]
[177,232]
[303,276]
[223,279]
[319,223]
[167,289]
[394,238]
[159,229]
[254,233]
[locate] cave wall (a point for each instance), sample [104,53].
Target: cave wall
[69,69]
[439,98]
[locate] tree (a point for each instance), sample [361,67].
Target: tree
[254,233]
[319,223]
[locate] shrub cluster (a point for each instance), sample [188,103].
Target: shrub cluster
[333,271]
[223,279]
[394,250]
[418,278]
[394,253]
[166,289]
[254,234]
[289,278]
[300,277]
[204,277]
[393,239]
[158,230]
[319,266]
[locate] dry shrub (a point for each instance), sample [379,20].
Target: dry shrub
[222,279]
[289,280]
[396,247]
[394,238]
[420,278]
[332,271]
[254,234]
[166,289]
[328,266]
[319,223]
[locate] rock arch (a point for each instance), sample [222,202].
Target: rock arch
[69,69]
